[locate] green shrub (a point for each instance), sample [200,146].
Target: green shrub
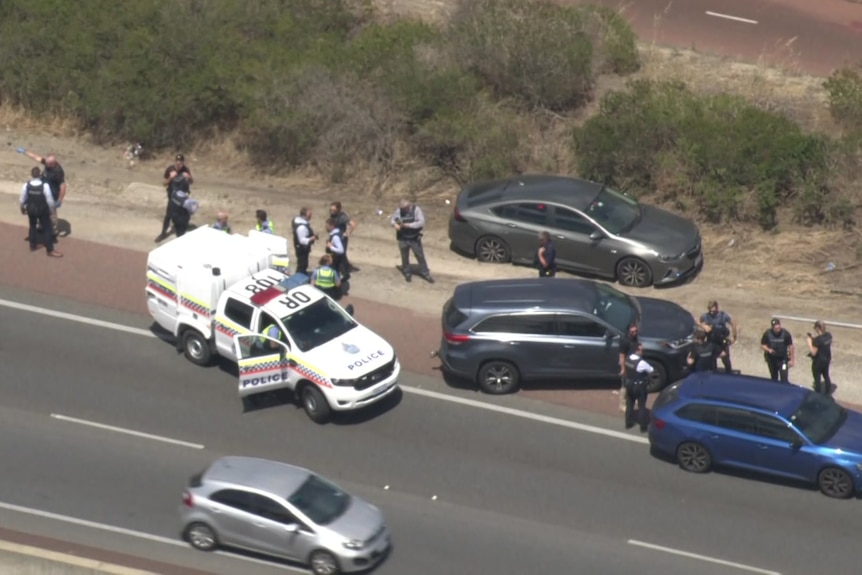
[726,157]
[615,44]
[844,87]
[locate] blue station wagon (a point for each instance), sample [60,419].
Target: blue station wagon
[717,419]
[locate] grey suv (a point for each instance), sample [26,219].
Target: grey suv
[283,511]
[499,333]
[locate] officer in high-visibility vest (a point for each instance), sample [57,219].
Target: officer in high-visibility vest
[326,278]
[263,223]
[273,332]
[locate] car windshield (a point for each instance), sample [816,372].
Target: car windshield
[320,501]
[317,324]
[614,307]
[818,417]
[615,212]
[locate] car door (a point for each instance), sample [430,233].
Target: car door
[232,517]
[263,362]
[519,226]
[235,318]
[733,438]
[529,340]
[782,451]
[587,349]
[577,248]
[278,532]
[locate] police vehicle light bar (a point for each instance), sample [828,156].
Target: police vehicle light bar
[266,296]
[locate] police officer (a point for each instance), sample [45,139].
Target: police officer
[303,239]
[55,177]
[820,352]
[180,205]
[409,221]
[326,278]
[637,377]
[704,353]
[778,351]
[263,223]
[546,256]
[347,226]
[37,202]
[335,248]
[628,343]
[721,331]
[178,168]
[221,223]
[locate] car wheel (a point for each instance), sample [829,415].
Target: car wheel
[694,457]
[315,405]
[202,537]
[498,377]
[834,482]
[324,563]
[196,348]
[493,250]
[634,272]
[658,378]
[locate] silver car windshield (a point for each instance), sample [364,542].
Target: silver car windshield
[615,212]
[818,417]
[614,307]
[320,501]
[317,324]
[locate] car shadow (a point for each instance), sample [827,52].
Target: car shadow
[292,565]
[748,475]
[465,384]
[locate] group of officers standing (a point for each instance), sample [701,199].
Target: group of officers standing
[715,334]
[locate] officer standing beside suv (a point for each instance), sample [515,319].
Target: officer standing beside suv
[704,353]
[778,351]
[628,343]
[820,352]
[546,256]
[721,331]
[637,377]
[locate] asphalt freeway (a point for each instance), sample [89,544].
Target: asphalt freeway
[513,495]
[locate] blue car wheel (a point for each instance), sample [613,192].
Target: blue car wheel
[693,457]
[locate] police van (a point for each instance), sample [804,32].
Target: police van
[221,294]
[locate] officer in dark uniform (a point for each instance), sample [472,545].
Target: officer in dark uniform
[721,331]
[546,256]
[178,168]
[303,239]
[347,227]
[778,351]
[637,376]
[37,203]
[704,353]
[820,352]
[335,248]
[628,343]
[409,221]
[177,207]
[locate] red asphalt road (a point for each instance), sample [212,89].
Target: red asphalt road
[812,36]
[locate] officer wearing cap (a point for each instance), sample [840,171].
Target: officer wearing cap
[178,168]
[778,351]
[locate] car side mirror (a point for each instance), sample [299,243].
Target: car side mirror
[596,235]
[349,309]
[795,444]
[291,528]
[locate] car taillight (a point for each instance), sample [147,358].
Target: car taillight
[658,423]
[188,500]
[457,215]
[456,338]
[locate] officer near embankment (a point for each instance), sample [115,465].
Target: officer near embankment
[720,331]
[778,351]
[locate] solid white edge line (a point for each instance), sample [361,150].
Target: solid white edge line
[414,390]
[136,534]
[729,17]
[76,318]
[126,431]
[526,415]
[704,558]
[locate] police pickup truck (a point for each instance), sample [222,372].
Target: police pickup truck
[219,295]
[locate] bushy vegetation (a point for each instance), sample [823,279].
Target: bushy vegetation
[717,155]
[325,83]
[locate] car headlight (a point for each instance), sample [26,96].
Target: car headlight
[354,544]
[342,382]
[679,343]
[666,258]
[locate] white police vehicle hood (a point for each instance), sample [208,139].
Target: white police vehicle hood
[355,354]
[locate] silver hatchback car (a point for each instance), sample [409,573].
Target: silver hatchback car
[283,511]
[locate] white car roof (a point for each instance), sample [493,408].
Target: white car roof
[273,298]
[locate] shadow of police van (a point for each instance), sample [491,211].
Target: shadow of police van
[232,295]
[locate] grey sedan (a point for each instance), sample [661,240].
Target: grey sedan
[596,230]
